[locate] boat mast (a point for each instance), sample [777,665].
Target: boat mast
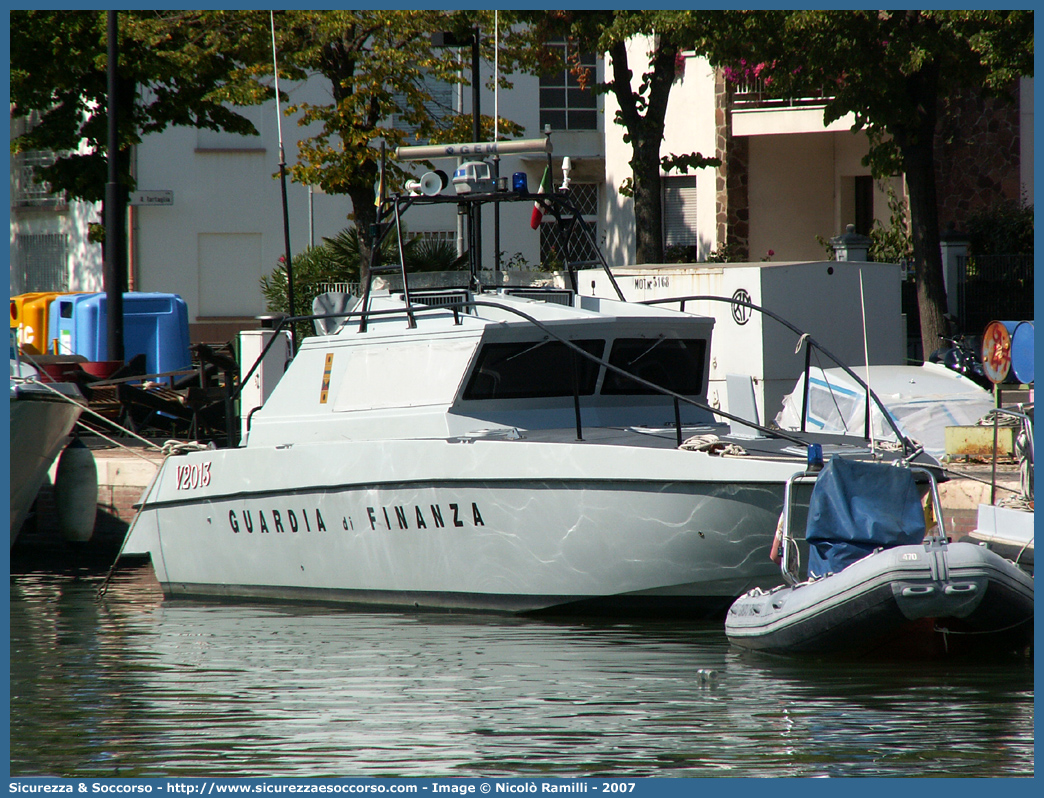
[282,182]
[496,137]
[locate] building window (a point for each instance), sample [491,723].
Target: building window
[42,262]
[680,224]
[27,192]
[563,103]
[556,243]
[440,105]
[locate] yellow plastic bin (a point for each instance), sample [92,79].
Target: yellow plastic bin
[18,320]
[29,315]
[17,306]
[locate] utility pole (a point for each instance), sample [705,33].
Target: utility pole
[476,131]
[115,268]
[474,210]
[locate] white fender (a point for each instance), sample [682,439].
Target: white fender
[76,492]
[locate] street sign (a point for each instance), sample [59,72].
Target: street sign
[156,197]
[996,350]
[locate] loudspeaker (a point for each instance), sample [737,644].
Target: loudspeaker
[430,184]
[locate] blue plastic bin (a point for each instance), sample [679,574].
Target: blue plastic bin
[154,324]
[61,322]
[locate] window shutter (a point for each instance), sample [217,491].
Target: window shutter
[43,262]
[679,211]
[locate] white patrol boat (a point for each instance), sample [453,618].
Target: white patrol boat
[483,451]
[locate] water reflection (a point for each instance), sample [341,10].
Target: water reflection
[135,686]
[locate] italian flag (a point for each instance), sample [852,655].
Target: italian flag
[538,208]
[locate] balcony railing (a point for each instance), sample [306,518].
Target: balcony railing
[753,94]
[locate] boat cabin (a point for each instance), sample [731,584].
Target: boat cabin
[502,362]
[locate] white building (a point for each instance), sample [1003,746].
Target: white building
[50,250]
[786,178]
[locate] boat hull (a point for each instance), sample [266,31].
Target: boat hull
[301,523]
[40,424]
[920,600]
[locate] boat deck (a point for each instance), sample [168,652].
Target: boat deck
[716,437]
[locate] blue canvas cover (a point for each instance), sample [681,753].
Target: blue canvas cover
[857,507]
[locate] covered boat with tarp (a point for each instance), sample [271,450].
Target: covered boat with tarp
[921,402]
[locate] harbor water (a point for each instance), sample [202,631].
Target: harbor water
[130,685]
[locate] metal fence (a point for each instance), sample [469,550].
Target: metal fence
[989,288]
[343,288]
[753,93]
[995,287]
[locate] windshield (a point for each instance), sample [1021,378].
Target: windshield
[533,369]
[672,363]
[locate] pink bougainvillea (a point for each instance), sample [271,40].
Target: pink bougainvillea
[749,73]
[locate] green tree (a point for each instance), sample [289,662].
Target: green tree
[642,109]
[173,70]
[194,67]
[312,267]
[892,243]
[379,65]
[421,254]
[890,69]
[1002,229]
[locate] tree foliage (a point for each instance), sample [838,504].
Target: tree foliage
[1002,229]
[312,267]
[892,243]
[173,70]
[194,67]
[379,66]
[889,69]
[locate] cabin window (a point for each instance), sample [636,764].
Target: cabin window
[402,374]
[533,369]
[672,363]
